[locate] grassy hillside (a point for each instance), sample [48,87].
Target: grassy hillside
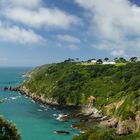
[74,83]
[116,88]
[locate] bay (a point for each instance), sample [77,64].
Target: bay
[34,121]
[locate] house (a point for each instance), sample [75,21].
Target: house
[109,63]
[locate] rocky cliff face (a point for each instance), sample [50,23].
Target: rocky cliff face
[41,99]
[123,127]
[126,127]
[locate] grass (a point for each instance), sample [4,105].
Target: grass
[90,63]
[120,64]
[87,63]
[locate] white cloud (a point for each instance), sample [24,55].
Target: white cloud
[20,3]
[15,34]
[42,17]
[29,16]
[68,39]
[39,16]
[116,22]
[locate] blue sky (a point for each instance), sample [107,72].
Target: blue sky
[36,32]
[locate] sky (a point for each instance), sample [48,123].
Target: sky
[36,32]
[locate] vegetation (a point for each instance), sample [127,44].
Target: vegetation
[8,131]
[115,87]
[99,61]
[133,59]
[106,59]
[95,134]
[107,134]
[120,60]
[72,83]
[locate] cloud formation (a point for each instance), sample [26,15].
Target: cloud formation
[115,24]
[29,16]
[32,13]
[41,17]
[21,3]
[68,39]
[15,34]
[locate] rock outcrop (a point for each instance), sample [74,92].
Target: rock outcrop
[111,123]
[126,127]
[122,127]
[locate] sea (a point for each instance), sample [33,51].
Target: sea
[34,121]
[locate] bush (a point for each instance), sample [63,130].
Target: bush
[8,131]
[107,134]
[127,115]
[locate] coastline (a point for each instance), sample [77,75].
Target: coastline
[84,113]
[41,99]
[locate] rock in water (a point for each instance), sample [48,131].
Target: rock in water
[62,132]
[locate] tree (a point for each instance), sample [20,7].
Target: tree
[106,59]
[89,60]
[121,60]
[77,59]
[116,59]
[8,131]
[99,61]
[133,59]
[69,60]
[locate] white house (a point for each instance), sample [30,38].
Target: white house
[109,63]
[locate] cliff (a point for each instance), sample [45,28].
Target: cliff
[116,90]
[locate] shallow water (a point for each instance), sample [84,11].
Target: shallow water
[35,121]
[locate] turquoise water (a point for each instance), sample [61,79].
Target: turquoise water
[35,121]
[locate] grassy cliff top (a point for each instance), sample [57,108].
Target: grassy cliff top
[116,88]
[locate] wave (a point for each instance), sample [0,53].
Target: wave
[12,98]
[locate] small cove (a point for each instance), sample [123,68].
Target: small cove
[35,121]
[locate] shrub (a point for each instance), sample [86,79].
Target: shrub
[127,115]
[8,131]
